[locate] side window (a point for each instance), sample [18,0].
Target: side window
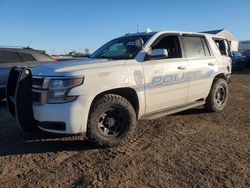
[171,44]
[27,57]
[10,57]
[195,46]
[222,46]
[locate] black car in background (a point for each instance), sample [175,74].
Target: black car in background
[238,61]
[247,55]
[18,57]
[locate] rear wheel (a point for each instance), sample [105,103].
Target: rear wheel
[1,97]
[111,120]
[242,66]
[218,96]
[2,93]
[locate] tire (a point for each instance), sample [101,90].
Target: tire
[2,94]
[241,67]
[218,96]
[2,97]
[111,120]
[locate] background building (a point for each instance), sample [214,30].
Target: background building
[244,45]
[228,35]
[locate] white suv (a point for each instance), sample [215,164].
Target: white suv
[142,75]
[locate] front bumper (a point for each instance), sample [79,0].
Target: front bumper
[65,118]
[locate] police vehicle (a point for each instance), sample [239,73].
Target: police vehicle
[136,76]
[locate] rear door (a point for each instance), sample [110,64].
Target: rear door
[164,84]
[201,66]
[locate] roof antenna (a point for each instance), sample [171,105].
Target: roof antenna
[29,44]
[137,28]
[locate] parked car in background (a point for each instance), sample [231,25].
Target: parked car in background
[238,61]
[247,55]
[18,57]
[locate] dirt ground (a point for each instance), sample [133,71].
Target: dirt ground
[192,148]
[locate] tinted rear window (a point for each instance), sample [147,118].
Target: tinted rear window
[10,57]
[28,57]
[42,56]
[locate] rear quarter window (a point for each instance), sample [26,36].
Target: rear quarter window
[223,46]
[28,57]
[10,57]
[42,57]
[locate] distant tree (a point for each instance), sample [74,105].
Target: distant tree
[86,51]
[72,52]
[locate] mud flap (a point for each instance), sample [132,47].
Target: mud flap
[19,97]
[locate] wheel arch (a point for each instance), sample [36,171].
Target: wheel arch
[128,93]
[217,76]
[222,76]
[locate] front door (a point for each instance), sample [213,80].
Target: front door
[165,83]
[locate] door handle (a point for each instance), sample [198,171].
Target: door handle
[211,64]
[182,67]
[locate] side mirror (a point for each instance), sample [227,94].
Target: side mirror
[158,53]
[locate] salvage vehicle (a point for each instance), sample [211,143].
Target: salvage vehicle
[247,55]
[18,56]
[238,61]
[136,76]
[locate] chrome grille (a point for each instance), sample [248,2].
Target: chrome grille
[37,90]
[36,97]
[37,82]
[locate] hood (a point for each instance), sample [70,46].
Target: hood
[71,67]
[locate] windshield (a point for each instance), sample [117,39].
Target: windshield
[236,54]
[121,48]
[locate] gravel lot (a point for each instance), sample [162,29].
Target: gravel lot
[192,148]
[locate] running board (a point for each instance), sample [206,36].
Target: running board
[159,114]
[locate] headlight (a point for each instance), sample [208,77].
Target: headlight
[59,88]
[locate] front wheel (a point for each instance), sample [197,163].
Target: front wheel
[111,120]
[218,96]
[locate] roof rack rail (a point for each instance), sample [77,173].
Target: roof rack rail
[6,46]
